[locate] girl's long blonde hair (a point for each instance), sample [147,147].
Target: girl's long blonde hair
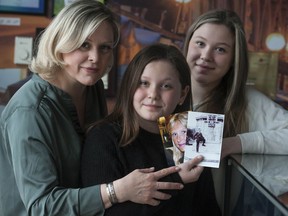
[229,96]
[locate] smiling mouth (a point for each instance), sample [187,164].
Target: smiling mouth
[204,66]
[90,70]
[152,106]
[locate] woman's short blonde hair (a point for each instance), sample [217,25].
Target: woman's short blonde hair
[67,32]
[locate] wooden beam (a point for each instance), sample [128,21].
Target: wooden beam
[149,25]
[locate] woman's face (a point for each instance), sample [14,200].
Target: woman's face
[210,54]
[158,93]
[178,133]
[87,64]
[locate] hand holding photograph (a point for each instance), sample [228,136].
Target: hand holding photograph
[188,134]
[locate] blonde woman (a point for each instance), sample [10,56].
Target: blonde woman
[43,125]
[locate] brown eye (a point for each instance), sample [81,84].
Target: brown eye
[200,43]
[220,50]
[143,83]
[167,86]
[85,45]
[106,48]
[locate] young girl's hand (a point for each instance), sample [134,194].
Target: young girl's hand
[142,186]
[190,172]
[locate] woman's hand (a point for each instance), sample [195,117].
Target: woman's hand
[142,186]
[190,172]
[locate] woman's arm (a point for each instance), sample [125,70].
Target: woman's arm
[45,164]
[142,186]
[101,164]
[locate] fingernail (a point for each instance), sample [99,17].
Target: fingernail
[181,186]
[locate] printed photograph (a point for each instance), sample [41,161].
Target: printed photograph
[204,137]
[173,132]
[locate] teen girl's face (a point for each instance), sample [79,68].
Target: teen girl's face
[87,64]
[210,54]
[178,133]
[158,94]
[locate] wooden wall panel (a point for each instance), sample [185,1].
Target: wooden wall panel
[7,36]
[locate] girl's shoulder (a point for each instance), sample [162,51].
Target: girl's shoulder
[253,94]
[106,128]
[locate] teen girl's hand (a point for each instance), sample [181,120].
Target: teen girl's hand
[190,172]
[142,186]
[231,145]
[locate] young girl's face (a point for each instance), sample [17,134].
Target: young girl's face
[158,94]
[210,54]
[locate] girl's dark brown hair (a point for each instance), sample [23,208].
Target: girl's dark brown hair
[123,111]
